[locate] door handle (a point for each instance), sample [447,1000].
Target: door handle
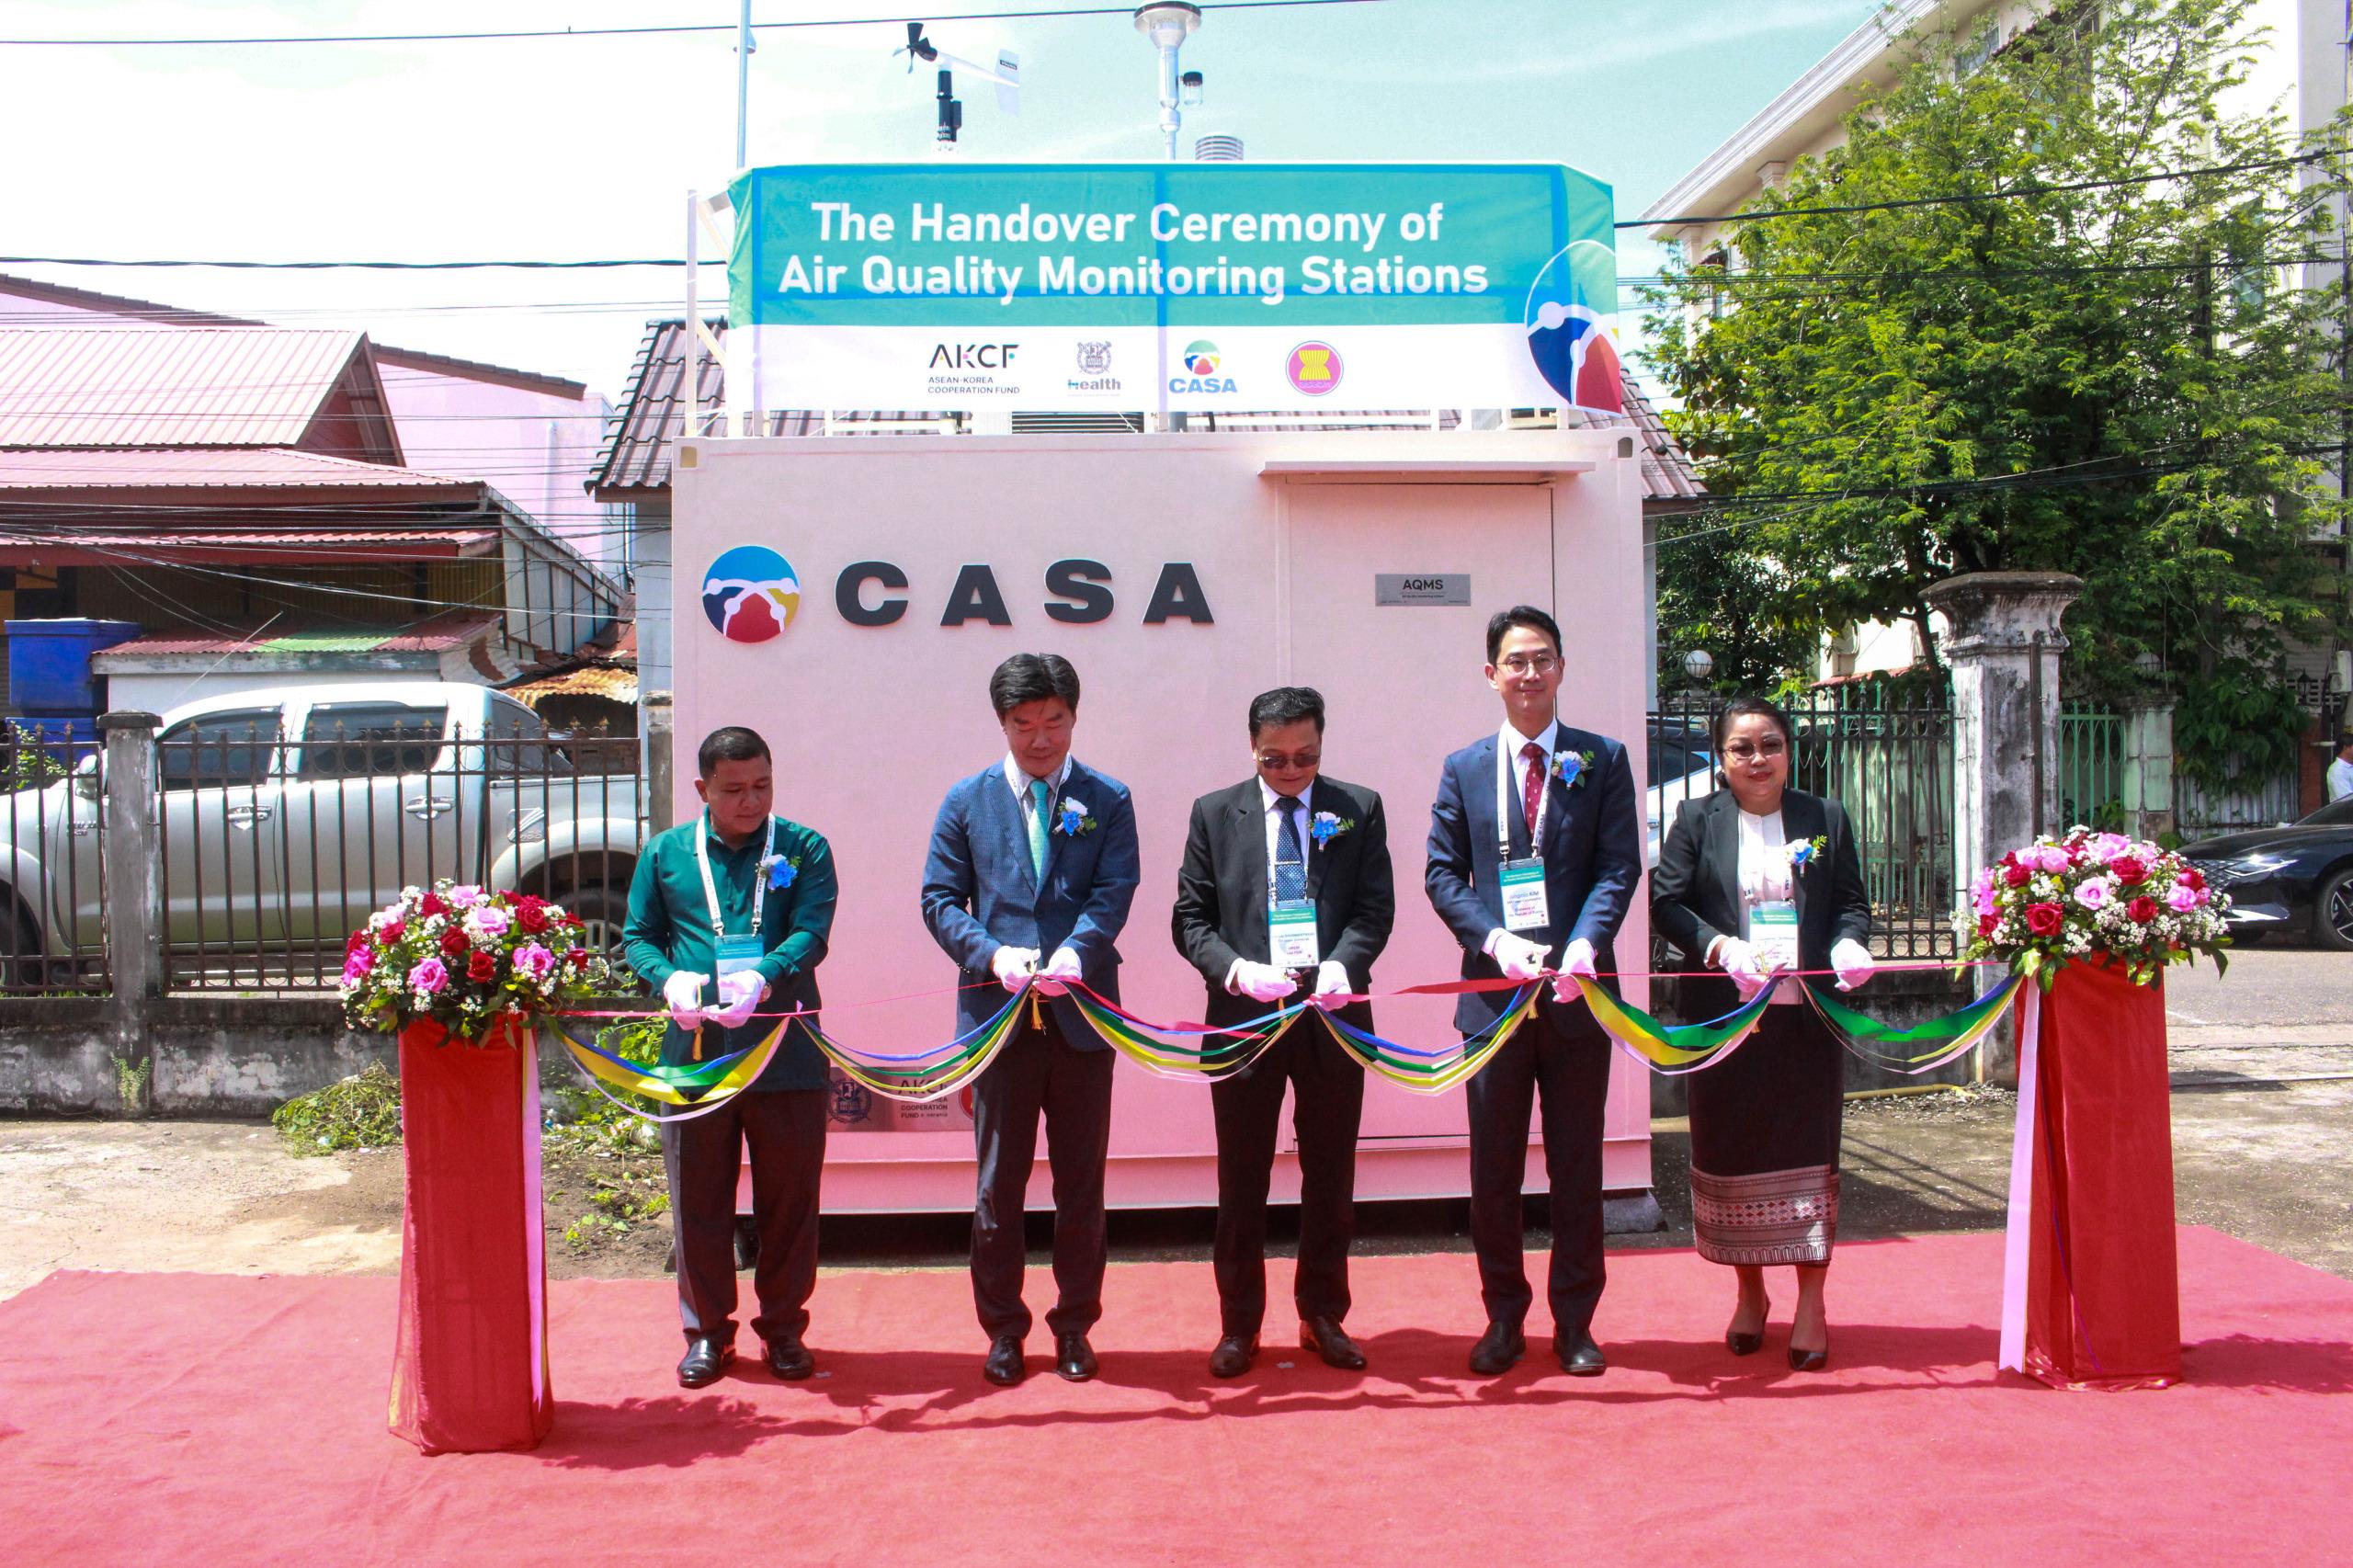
[426,807]
[247,816]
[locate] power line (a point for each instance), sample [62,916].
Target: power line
[643,31]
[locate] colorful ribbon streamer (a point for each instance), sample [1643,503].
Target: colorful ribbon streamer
[1135,1039]
[1946,1038]
[963,1059]
[1436,1071]
[704,1086]
[1673,1049]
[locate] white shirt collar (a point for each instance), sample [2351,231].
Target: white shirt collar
[1512,740]
[1019,781]
[1267,795]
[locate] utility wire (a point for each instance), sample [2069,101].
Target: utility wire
[642,31]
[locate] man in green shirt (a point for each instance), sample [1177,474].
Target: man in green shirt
[728,917]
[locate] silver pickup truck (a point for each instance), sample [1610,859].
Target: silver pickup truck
[286,815]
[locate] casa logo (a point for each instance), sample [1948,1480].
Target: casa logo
[750,593]
[1566,319]
[1201,361]
[1313,369]
[1094,358]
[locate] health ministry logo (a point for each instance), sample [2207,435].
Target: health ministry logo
[1566,332]
[750,593]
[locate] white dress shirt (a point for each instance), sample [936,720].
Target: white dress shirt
[1020,782]
[1328,975]
[1765,876]
[1513,743]
[2340,780]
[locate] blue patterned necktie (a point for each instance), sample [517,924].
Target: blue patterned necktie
[1039,804]
[1291,864]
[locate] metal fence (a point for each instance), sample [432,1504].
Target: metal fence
[2201,813]
[1887,756]
[52,923]
[275,847]
[2091,768]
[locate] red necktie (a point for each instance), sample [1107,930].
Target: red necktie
[1532,795]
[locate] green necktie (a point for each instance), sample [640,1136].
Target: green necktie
[1038,828]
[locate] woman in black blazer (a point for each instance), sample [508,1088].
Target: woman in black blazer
[1741,871]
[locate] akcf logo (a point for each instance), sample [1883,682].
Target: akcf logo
[750,593]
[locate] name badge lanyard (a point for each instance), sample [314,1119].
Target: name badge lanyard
[1291,938]
[1524,896]
[732,954]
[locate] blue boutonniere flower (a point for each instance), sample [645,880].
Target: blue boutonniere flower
[1327,826]
[1805,850]
[1571,766]
[780,871]
[1071,818]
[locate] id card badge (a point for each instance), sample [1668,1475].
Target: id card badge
[1524,908]
[1291,933]
[738,952]
[1773,932]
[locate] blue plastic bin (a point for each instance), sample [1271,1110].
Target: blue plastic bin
[49,663]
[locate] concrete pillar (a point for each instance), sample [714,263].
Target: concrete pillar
[133,868]
[2001,641]
[660,730]
[2148,765]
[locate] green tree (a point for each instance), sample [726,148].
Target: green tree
[2082,369]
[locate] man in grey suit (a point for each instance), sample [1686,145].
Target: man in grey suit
[1033,865]
[1286,883]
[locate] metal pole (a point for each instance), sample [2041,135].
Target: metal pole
[743,80]
[690,372]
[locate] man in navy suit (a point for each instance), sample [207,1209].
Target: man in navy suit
[1033,864]
[1534,856]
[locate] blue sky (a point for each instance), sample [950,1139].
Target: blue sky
[584,147]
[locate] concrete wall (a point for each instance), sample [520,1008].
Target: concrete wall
[224,1056]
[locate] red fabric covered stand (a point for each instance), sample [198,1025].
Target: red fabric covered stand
[2103,1307]
[470,1367]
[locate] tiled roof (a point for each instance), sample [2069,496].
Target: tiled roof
[225,386]
[437,634]
[211,468]
[643,432]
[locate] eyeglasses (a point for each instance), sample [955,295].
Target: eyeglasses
[1530,664]
[1276,762]
[1741,751]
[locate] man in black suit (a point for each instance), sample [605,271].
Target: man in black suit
[1286,883]
[1534,856]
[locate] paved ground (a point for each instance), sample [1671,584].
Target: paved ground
[2262,1108]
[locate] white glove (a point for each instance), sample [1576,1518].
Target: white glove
[1263,981]
[1519,957]
[1062,966]
[1853,962]
[739,993]
[1579,959]
[1331,981]
[1738,960]
[1013,966]
[683,993]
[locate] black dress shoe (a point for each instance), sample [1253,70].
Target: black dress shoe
[1004,1366]
[1498,1350]
[1744,1343]
[1810,1360]
[1233,1354]
[1580,1357]
[790,1359]
[1329,1340]
[705,1359]
[1073,1357]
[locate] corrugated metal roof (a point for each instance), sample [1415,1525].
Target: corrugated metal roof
[638,443]
[239,467]
[70,545]
[177,386]
[438,634]
[616,684]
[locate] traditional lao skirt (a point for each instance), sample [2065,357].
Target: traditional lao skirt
[1765,1144]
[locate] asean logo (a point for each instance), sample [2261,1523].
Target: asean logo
[1313,369]
[1200,358]
[750,593]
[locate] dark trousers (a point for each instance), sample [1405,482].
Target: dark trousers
[1039,1072]
[785,1130]
[1327,1102]
[1563,1054]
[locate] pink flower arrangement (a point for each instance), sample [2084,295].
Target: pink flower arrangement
[466,959]
[2090,895]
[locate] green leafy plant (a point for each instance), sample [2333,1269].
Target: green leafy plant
[131,1083]
[362,1112]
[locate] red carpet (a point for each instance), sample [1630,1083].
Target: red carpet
[205,1419]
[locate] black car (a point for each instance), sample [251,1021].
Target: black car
[2295,879]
